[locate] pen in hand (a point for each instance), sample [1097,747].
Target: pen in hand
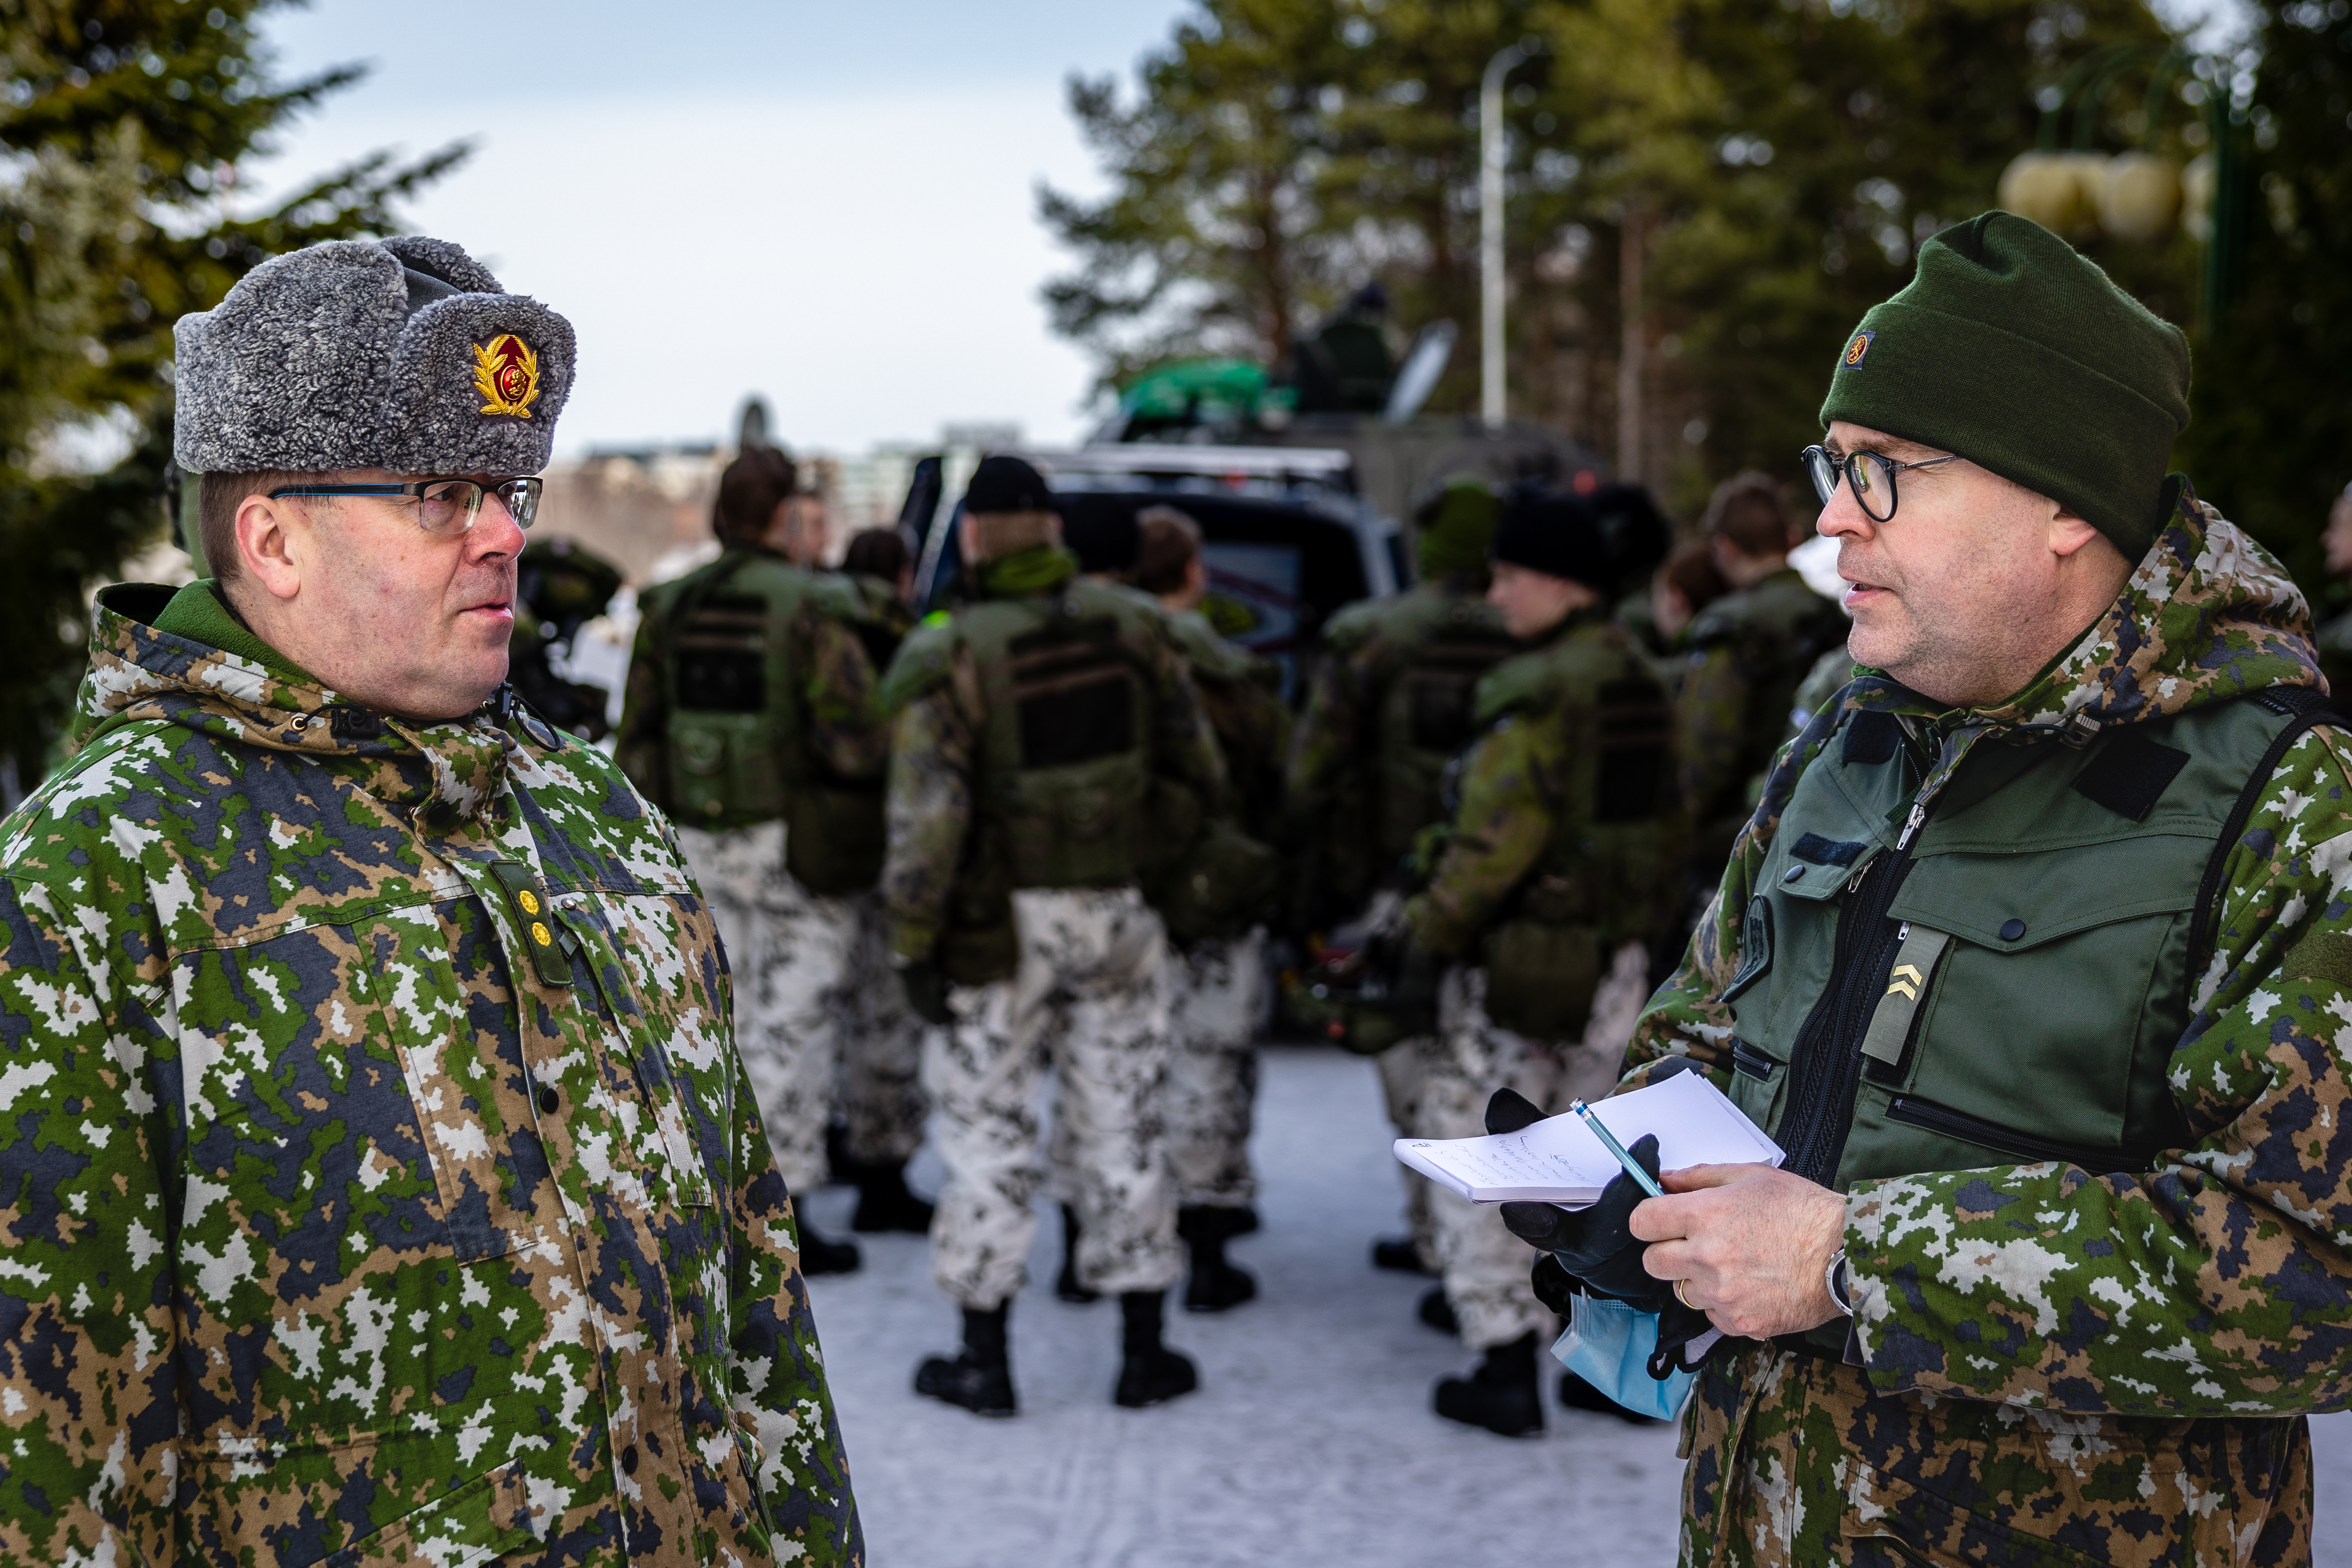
[1609,1142]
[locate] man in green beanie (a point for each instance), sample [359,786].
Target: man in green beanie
[1390,701]
[2034,960]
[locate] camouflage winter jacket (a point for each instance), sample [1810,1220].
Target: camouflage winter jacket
[378,1180]
[1748,653]
[2050,1364]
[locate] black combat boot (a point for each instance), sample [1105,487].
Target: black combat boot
[1578,1394]
[980,1378]
[819,1256]
[1437,1312]
[1215,1285]
[1148,1373]
[884,1204]
[1066,1284]
[1501,1395]
[1400,1253]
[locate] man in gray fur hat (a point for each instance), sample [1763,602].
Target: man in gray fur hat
[379,1180]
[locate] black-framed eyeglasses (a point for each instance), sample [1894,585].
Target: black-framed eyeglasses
[1871,475]
[443,505]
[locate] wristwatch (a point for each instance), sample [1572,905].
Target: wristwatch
[1834,1280]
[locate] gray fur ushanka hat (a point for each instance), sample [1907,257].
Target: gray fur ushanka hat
[402,354]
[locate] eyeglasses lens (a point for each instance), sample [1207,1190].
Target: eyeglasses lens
[522,498]
[448,507]
[1873,484]
[1822,472]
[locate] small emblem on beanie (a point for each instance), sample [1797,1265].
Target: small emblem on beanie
[1855,349]
[505,372]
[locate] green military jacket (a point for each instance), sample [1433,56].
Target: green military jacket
[1391,701]
[2098,1347]
[1032,728]
[1748,653]
[1241,697]
[378,1180]
[752,698]
[1567,834]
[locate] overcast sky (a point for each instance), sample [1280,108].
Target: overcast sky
[831,205]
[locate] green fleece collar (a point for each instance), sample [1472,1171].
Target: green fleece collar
[200,614]
[1037,570]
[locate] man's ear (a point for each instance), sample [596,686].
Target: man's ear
[274,541]
[2068,533]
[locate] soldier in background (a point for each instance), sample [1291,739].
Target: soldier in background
[1748,652]
[1684,585]
[1553,876]
[752,718]
[881,1095]
[560,587]
[1390,703]
[1035,727]
[1217,991]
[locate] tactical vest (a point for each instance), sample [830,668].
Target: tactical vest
[735,744]
[1224,880]
[1607,874]
[1429,709]
[1779,628]
[2002,980]
[1064,782]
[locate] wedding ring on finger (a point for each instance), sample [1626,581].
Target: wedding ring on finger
[1686,1300]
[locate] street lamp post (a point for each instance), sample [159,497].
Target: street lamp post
[1492,400]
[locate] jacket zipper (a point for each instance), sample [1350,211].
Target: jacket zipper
[2008,1140]
[1825,1066]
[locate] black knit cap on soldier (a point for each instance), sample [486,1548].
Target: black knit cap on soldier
[1004,484]
[1555,534]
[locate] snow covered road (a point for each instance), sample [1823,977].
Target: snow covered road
[1310,1444]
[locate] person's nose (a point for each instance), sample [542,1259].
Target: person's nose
[495,531]
[1843,517]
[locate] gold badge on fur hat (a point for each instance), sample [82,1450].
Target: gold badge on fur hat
[505,372]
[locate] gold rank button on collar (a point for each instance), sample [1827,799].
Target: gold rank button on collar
[523,890]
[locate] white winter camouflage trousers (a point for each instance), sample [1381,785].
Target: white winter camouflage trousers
[882,1101]
[1402,1068]
[1484,1266]
[814,991]
[1216,993]
[1090,999]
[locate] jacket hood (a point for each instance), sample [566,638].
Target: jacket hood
[2207,616]
[446,771]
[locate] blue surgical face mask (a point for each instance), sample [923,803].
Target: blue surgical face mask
[1609,1345]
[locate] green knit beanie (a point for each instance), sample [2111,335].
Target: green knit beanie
[1456,523]
[2012,351]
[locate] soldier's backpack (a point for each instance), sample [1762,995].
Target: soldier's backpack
[732,750]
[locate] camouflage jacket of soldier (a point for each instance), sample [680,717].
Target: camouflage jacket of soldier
[933,690]
[378,1180]
[1241,696]
[1747,654]
[2055,1364]
[1356,811]
[1509,788]
[835,640]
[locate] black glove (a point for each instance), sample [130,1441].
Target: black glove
[1596,1243]
[1509,1111]
[927,992]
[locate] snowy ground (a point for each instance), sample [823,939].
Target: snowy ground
[1311,1443]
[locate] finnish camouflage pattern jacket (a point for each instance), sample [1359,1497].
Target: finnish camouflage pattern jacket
[331,1227]
[2056,1363]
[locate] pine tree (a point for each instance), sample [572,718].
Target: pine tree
[124,122]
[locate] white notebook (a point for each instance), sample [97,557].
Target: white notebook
[1559,1159]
